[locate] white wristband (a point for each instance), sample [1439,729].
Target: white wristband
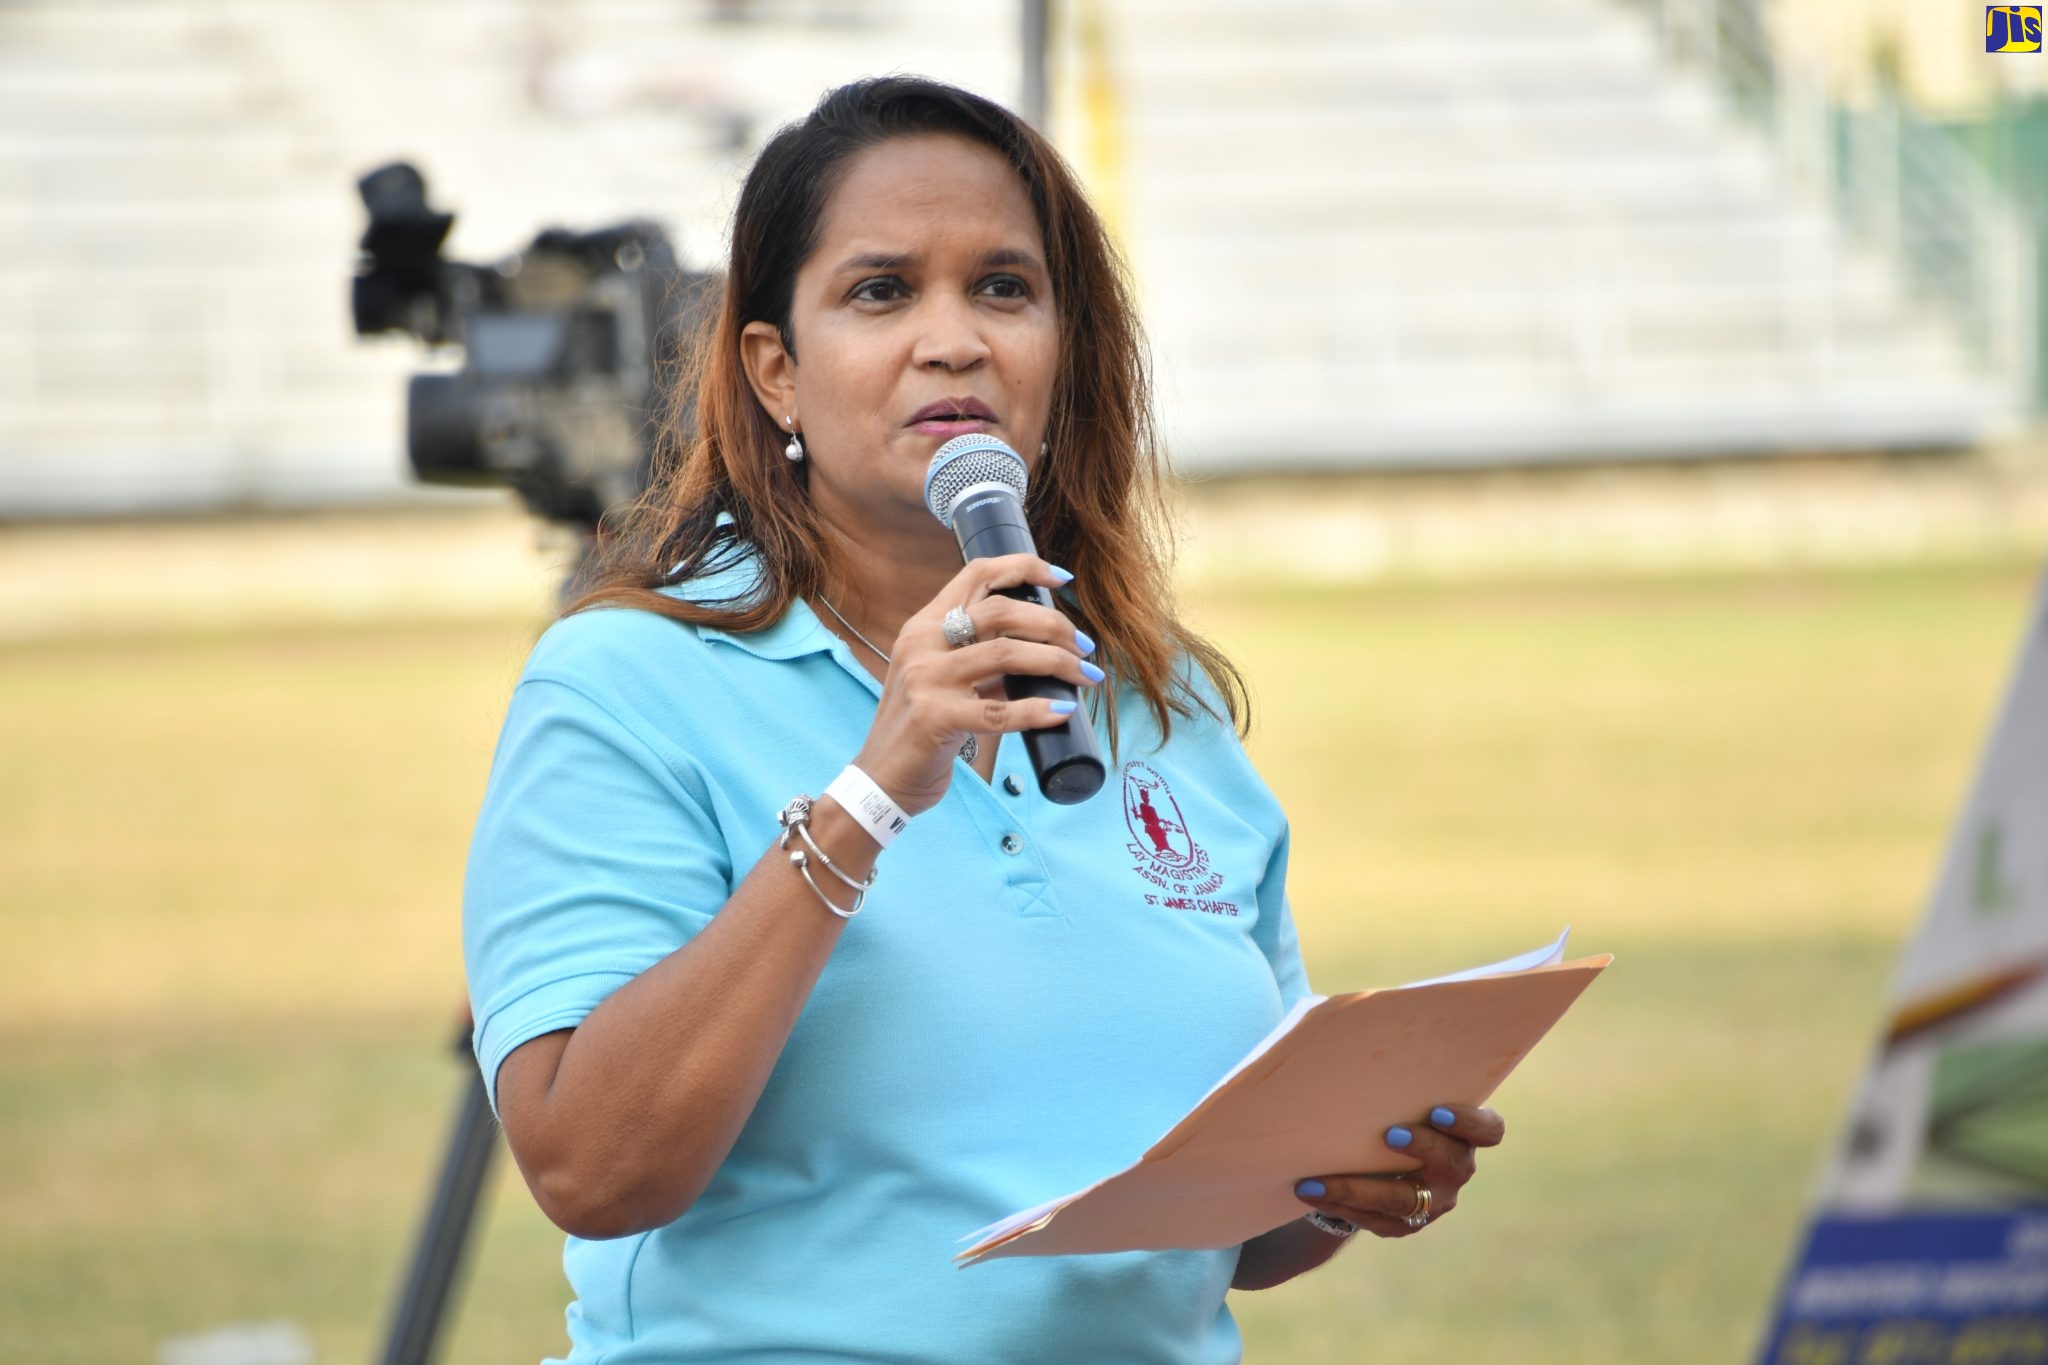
[866,802]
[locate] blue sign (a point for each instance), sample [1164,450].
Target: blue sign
[1918,1289]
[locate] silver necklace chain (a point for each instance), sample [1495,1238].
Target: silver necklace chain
[849,625]
[967,750]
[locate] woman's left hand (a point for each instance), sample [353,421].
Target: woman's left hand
[1382,1204]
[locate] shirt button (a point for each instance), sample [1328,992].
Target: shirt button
[1012,844]
[1013,786]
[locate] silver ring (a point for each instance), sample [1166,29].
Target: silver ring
[959,628]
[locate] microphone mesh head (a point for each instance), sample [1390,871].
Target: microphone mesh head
[968,460]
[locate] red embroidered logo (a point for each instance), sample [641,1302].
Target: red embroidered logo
[1167,854]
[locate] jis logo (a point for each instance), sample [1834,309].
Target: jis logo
[2012,28]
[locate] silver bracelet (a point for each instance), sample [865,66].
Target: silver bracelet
[1336,1227]
[795,818]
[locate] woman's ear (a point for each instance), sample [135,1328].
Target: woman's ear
[771,370]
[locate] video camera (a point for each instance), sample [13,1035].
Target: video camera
[569,345]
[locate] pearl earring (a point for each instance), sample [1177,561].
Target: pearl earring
[1044,449]
[795,449]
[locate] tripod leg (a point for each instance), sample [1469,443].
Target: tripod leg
[437,1257]
[444,1238]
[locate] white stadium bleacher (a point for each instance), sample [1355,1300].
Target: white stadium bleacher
[1462,233]
[178,217]
[1370,234]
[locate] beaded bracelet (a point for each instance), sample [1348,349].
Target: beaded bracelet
[795,818]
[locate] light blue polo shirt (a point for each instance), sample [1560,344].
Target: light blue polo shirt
[1033,995]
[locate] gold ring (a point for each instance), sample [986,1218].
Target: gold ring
[1420,1213]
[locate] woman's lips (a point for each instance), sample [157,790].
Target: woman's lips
[954,415]
[952,426]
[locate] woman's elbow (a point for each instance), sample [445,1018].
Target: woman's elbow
[596,1209]
[579,1193]
[594,1178]
[569,1205]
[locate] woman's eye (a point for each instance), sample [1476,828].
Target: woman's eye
[1009,287]
[887,284]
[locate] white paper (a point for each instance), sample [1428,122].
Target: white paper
[1529,961]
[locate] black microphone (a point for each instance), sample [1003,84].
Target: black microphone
[976,487]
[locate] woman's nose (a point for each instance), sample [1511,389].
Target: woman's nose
[951,337]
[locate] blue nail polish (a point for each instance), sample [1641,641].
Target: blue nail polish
[1065,577]
[1091,672]
[1399,1137]
[1310,1189]
[1442,1117]
[1081,639]
[1062,708]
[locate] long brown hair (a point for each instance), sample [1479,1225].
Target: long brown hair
[1097,503]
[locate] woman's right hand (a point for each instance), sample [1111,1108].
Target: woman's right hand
[934,695]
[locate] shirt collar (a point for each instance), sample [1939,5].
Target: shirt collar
[798,631]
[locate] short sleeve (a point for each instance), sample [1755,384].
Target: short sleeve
[1274,932]
[592,859]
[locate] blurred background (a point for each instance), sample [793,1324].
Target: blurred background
[1612,443]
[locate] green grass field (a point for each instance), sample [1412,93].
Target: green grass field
[229,951]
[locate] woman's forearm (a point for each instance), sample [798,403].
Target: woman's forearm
[619,1125]
[1278,1256]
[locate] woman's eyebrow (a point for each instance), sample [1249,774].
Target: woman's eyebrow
[1011,256]
[875,261]
[882,260]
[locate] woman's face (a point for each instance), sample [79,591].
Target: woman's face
[928,286]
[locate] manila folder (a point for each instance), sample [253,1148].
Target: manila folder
[1313,1099]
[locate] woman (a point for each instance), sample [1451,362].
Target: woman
[766,1123]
